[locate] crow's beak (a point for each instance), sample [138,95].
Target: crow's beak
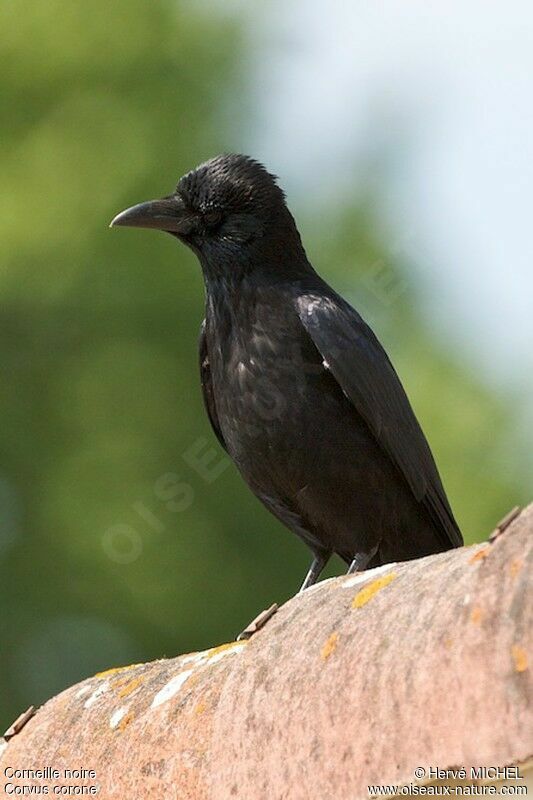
[168,214]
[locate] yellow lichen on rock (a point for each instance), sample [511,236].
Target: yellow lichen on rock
[130,687]
[330,646]
[477,615]
[367,592]
[200,707]
[223,648]
[519,658]
[123,724]
[115,670]
[479,555]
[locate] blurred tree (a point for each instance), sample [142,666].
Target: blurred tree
[115,544]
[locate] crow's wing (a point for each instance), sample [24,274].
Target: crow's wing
[207,386]
[361,367]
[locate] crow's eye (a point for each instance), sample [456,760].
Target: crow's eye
[212,218]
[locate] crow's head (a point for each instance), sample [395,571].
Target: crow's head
[224,205]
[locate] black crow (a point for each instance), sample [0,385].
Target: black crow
[297,387]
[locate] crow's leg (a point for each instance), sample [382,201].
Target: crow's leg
[319,562]
[361,560]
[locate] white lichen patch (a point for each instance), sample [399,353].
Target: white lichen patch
[195,658]
[361,577]
[117,717]
[217,654]
[171,688]
[84,690]
[98,692]
[212,655]
[194,661]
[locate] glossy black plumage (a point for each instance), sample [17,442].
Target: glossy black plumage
[297,387]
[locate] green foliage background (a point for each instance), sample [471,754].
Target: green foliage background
[105,104]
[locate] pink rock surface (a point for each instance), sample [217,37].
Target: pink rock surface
[358,681]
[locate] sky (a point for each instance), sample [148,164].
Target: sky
[440,96]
